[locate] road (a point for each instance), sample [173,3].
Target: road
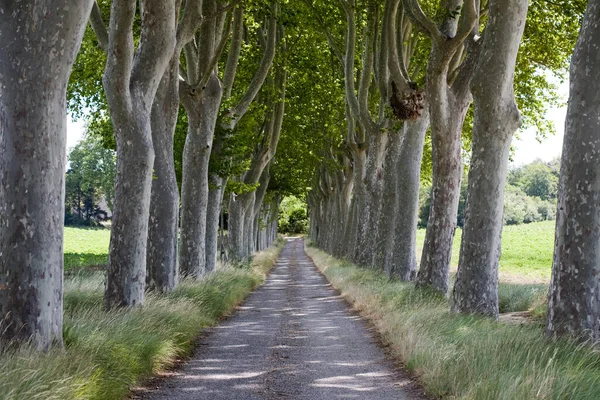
[293,338]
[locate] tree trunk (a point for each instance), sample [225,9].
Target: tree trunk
[162,274]
[496,120]
[215,200]
[367,236]
[239,206]
[202,112]
[447,110]
[401,258]
[574,302]
[131,79]
[40,40]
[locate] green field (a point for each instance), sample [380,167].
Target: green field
[86,247]
[526,251]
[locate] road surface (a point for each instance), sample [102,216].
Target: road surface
[293,338]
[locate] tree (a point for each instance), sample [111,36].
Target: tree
[574,304]
[449,71]
[90,178]
[497,118]
[236,101]
[40,41]
[131,79]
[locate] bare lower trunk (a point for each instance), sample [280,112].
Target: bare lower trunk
[162,274]
[202,113]
[445,194]
[356,205]
[127,254]
[448,107]
[574,303]
[32,163]
[213,212]
[401,257]
[374,184]
[131,79]
[496,120]
[239,206]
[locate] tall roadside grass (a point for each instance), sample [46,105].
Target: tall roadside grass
[107,352]
[466,357]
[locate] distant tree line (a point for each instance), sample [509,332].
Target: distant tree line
[90,182]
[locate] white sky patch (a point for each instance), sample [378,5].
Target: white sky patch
[75,130]
[528,148]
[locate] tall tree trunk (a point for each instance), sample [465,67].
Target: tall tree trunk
[401,257]
[202,112]
[496,120]
[448,108]
[356,206]
[574,303]
[216,192]
[239,206]
[162,274]
[130,80]
[40,40]
[368,220]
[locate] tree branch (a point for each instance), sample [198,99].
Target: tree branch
[120,53]
[99,28]
[215,56]
[157,44]
[237,112]
[415,13]
[234,52]
[191,20]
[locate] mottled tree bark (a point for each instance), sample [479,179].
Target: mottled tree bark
[162,273]
[130,80]
[401,256]
[40,40]
[574,301]
[202,112]
[448,101]
[496,120]
[216,192]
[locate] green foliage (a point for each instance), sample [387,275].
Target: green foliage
[90,178]
[292,216]
[461,356]
[107,353]
[537,179]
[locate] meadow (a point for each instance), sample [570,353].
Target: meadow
[526,252]
[85,247]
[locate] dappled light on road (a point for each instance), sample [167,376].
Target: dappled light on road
[293,338]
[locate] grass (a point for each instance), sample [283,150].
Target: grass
[526,251]
[467,357]
[106,353]
[84,247]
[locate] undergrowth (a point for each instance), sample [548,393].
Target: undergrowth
[468,357]
[106,353]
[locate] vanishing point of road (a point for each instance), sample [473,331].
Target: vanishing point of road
[293,338]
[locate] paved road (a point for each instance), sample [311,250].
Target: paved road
[293,338]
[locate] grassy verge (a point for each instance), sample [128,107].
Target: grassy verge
[466,357]
[106,353]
